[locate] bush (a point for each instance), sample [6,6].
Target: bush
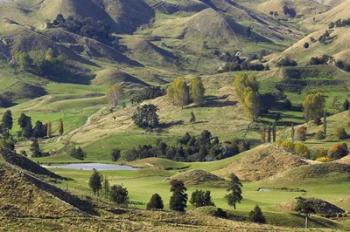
[286,62]
[115,155]
[320,135]
[220,213]
[200,198]
[155,202]
[301,133]
[302,150]
[119,194]
[340,133]
[78,153]
[146,116]
[256,215]
[338,151]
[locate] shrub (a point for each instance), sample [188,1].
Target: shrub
[302,150]
[119,194]
[319,153]
[155,202]
[287,145]
[286,62]
[78,153]
[201,198]
[301,133]
[115,155]
[340,133]
[220,213]
[338,151]
[320,135]
[256,215]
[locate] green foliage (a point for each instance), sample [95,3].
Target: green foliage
[155,202]
[197,90]
[201,198]
[25,123]
[247,89]
[257,215]
[119,194]
[7,121]
[39,130]
[35,149]
[296,148]
[235,191]
[95,182]
[146,116]
[178,199]
[78,153]
[178,92]
[314,105]
[115,155]
[23,60]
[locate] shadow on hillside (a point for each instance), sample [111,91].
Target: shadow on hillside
[215,102]
[167,125]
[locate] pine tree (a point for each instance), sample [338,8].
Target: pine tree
[257,215]
[201,198]
[155,202]
[7,121]
[119,194]
[178,199]
[115,155]
[60,127]
[25,122]
[235,189]
[35,149]
[95,182]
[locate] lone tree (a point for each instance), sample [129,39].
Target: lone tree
[305,208]
[115,94]
[25,123]
[197,90]
[60,127]
[7,121]
[146,116]
[257,215]
[119,194]
[35,149]
[201,198]
[235,189]
[95,182]
[314,105]
[115,155]
[247,89]
[179,198]
[155,202]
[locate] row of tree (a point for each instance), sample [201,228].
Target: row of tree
[189,148]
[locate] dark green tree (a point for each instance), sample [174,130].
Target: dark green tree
[115,155]
[78,153]
[35,149]
[305,208]
[95,182]
[201,198]
[119,194]
[346,105]
[178,200]
[257,215]
[155,202]
[235,191]
[39,130]
[146,116]
[25,122]
[106,187]
[60,127]
[7,121]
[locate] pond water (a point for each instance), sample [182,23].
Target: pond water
[91,166]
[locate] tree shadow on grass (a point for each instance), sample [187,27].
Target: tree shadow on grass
[167,125]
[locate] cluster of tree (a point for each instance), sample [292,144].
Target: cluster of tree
[339,23]
[190,149]
[296,148]
[314,104]
[200,198]
[88,27]
[146,116]
[290,11]
[180,93]
[147,93]
[247,89]
[286,61]
[78,153]
[326,37]
[343,65]
[36,151]
[325,59]
[242,65]
[38,61]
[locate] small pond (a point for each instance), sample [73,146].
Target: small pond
[91,166]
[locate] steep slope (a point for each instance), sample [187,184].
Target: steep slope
[260,163]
